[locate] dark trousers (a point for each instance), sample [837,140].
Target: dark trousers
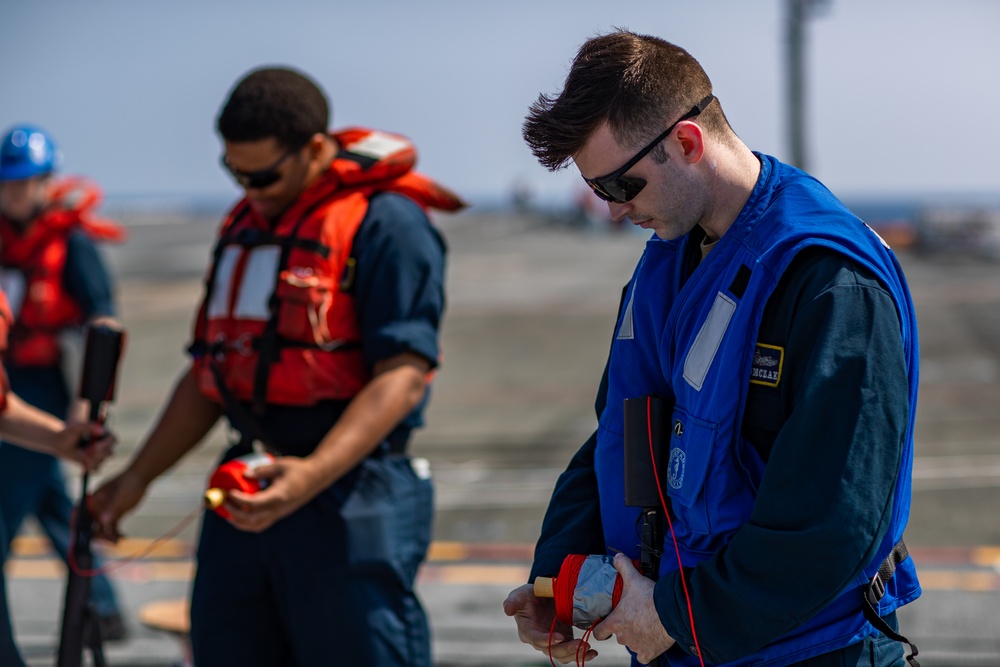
[877,651]
[9,655]
[331,584]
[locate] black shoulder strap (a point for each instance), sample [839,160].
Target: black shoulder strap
[240,417]
[875,591]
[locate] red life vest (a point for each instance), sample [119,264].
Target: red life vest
[6,319]
[278,323]
[43,307]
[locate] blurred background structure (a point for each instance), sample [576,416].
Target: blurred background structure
[900,122]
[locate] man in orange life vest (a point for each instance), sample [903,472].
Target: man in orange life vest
[26,426]
[315,339]
[56,281]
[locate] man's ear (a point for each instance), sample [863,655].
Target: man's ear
[317,143]
[321,149]
[692,140]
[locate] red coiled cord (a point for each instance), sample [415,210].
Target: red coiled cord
[564,585]
[563,590]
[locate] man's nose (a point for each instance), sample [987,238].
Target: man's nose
[619,210]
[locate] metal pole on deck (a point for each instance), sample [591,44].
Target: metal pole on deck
[797,12]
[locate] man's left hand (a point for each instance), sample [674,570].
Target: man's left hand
[634,622]
[293,483]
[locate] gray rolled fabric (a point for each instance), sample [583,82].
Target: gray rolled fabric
[594,587]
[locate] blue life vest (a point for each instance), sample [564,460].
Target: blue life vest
[694,341]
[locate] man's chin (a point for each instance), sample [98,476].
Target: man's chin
[651,224]
[267,211]
[21,222]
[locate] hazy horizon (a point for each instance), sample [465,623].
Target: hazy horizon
[898,102]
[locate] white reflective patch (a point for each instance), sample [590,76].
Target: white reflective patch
[259,277]
[377,145]
[879,236]
[625,331]
[218,302]
[13,283]
[706,344]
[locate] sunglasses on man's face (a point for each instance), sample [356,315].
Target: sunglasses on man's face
[260,179]
[618,188]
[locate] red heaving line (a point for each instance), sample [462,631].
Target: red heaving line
[677,550]
[142,553]
[564,585]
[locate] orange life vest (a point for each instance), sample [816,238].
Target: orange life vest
[43,307]
[278,323]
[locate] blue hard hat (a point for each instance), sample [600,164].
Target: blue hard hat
[27,151]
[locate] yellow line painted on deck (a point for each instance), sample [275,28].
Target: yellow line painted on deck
[34,569]
[449,551]
[33,546]
[986,556]
[50,568]
[448,563]
[958,580]
[453,574]
[36,545]
[509,575]
[145,570]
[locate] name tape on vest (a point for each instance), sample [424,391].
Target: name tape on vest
[767,363]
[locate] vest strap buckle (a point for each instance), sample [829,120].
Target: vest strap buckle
[244,344]
[875,590]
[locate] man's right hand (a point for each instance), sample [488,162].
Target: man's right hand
[534,617]
[110,502]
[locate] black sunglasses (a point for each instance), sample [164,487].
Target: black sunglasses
[260,179]
[618,188]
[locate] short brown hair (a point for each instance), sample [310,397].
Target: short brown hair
[638,83]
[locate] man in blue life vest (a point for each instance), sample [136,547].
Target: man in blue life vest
[315,339]
[780,329]
[56,282]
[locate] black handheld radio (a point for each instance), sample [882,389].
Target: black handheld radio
[80,625]
[647,447]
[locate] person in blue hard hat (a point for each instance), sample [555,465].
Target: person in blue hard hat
[56,282]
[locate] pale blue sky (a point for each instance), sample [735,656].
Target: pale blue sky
[903,98]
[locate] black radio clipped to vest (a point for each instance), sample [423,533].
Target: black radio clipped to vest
[647,449]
